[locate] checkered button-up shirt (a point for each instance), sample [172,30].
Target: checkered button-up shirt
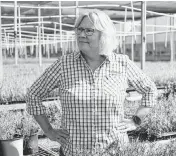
[92,102]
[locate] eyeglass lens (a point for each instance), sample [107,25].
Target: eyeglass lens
[88,31]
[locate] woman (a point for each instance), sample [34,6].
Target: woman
[92,86]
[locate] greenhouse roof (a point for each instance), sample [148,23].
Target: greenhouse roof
[50,12]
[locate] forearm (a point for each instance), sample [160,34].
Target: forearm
[43,122]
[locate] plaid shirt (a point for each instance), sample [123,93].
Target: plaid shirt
[92,102]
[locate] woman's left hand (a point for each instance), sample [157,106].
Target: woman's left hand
[126,125]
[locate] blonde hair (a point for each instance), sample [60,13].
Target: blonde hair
[103,23]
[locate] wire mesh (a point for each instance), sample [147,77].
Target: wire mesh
[44,151]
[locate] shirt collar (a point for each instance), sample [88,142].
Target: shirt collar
[77,55]
[109,58]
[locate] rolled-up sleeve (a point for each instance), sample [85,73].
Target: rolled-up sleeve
[142,83]
[48,81]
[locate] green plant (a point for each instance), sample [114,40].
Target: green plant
[30,126]
[54,113]
[10,125]
[17,124]
[30,137]
[162,117]
[18,79]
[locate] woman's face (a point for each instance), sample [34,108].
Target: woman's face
[86,43]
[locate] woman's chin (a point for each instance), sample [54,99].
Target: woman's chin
[84,48]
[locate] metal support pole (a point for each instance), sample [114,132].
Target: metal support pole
[48,47]
[36,43]
[73,49]
[15,32]
[154,29]
[172,46]
[39,37]
[67,49]
[25,48]
[143,33]
[132,48]
[43,36]
[1,57]
[77,14]
[19,27]
[124,29]
[55,38]
[60,24]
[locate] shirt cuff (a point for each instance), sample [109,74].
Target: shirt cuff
[36,109]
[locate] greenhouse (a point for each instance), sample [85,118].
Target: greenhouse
[36,34]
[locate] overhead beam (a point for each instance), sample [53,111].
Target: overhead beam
[40,3]
[91,6]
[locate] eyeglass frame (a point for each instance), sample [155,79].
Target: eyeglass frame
[84,29]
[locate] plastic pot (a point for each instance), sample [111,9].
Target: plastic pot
[12,147]
[30,144]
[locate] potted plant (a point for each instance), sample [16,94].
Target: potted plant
[160,123]
[30,130]
[11,140]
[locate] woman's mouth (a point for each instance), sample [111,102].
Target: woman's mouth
[83,42]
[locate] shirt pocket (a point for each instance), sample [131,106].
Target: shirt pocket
[114,85]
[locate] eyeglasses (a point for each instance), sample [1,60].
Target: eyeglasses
[87,31]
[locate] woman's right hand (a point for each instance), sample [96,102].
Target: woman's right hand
[59,135]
